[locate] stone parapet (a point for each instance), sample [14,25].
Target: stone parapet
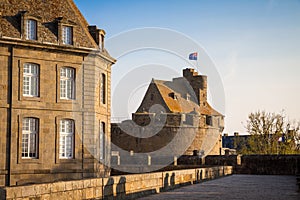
[115,187]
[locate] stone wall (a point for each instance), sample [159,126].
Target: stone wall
[270,164]
[231,160]
[259,164]
[116,187]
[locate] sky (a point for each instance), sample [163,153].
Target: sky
[254,45]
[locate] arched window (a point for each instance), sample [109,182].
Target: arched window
[30,131]
[66,139]
[31,80]
[31,29]
[67,83]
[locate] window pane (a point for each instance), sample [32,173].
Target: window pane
[30,80]
[66,138]
[31,30]
[67,83]
[67,35]
[29,137]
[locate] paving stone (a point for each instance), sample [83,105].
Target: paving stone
[237,187]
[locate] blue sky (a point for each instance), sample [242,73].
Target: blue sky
[255,45]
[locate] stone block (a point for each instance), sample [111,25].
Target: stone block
[86,183]
[68,186]
[88,193]
[98,182]
[98,192]
[27,191]
[77,195]
[58,187]
[57,195]
[45,197]
[77,185]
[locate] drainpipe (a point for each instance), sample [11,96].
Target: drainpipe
[9,127]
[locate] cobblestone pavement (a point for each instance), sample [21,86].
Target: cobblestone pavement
[237,187]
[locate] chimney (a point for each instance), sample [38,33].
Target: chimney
[198,83]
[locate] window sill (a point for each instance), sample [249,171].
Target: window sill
[30,161]
[68,160]
[31,98]
[67,101]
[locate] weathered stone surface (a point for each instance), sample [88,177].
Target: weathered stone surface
[50,55]
[118,187]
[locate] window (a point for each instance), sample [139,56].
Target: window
[66,139]
[30,80]
[103,88]
[67,83]
[30,137]
[173,95]
[188,97]
[102,140]
[209,120]
[31,29]
[67,35]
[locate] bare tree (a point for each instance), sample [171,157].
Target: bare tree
[271,133]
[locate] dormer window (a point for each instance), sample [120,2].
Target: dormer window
[31,29]
[209,120]
[188,97]
[67,35]
[173,95]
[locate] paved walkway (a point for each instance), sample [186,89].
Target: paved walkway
[236,187]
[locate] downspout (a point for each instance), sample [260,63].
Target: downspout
[10,91]
[82,120]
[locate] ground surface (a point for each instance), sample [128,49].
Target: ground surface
[237,187]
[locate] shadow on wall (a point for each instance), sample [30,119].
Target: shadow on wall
[125,190]
[120,192]
[169,182]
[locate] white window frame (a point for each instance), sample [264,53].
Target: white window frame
[30,130]
[102,141]
[67,35]
[31,80]
[31,29]
[67,83]
[66,139]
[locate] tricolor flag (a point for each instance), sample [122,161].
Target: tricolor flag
[193,56]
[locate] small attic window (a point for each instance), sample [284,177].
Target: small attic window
[188,97]
[31,29]
[209,120]
[173,95]
[67,35]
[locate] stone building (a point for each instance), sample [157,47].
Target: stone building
[54,94]
[173,114]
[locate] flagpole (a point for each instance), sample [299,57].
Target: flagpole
[194,57]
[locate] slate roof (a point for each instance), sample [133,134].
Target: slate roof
[180,87]
[47,12]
